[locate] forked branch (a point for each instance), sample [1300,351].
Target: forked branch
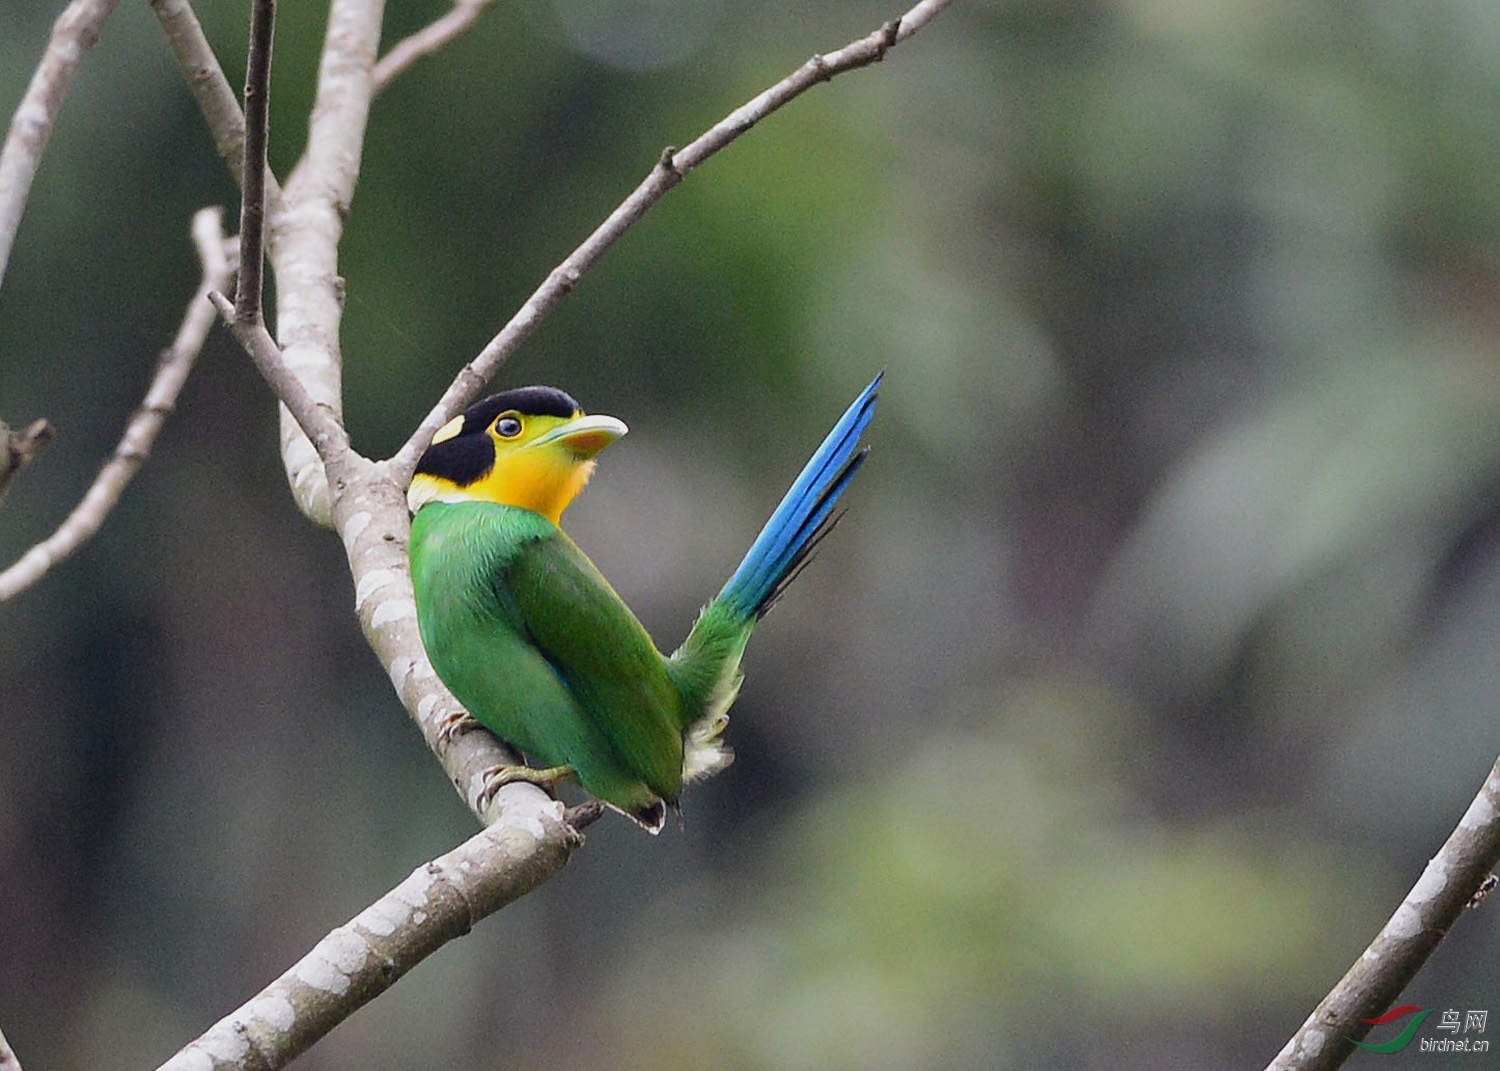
[245,317]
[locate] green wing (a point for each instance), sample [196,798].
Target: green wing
[602,653]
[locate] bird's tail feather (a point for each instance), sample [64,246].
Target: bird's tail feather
[707,665]
[804,516]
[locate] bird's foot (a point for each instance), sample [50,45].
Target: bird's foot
[497,777]
[455,725]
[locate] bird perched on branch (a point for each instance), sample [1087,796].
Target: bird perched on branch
[532,639]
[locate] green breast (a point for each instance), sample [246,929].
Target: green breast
[536,644]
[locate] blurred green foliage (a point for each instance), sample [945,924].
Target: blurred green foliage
[1155,655]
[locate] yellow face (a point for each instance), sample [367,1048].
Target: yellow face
[540,462]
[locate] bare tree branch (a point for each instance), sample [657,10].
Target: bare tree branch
[364,957]
[140,433]
[210,88]
[670,170]
[73,34]
[1402,947]
[247,308]
[427,40]
[305,235]
[317,426]
[305,371]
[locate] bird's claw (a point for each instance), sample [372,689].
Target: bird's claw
[497,777]
[455,725]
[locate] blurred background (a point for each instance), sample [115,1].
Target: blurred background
[1155,656]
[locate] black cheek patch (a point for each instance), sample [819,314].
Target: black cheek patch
[463,459]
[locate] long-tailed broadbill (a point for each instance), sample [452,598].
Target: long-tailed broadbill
[531,638]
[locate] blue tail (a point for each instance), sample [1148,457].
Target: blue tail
[804,516]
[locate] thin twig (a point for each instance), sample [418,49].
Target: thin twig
[210,88]
[73,34]
[427,40]
[327,435]
[1398,952]
[670,170]
[140,433]
[364,957]
[247,307]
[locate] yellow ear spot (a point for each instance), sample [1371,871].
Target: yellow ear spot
[450,429]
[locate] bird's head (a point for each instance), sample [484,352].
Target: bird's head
[531,447]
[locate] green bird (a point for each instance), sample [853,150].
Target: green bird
[531,638]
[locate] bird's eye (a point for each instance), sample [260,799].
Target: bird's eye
[508,427]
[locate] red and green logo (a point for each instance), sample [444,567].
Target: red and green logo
[1400,1041]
